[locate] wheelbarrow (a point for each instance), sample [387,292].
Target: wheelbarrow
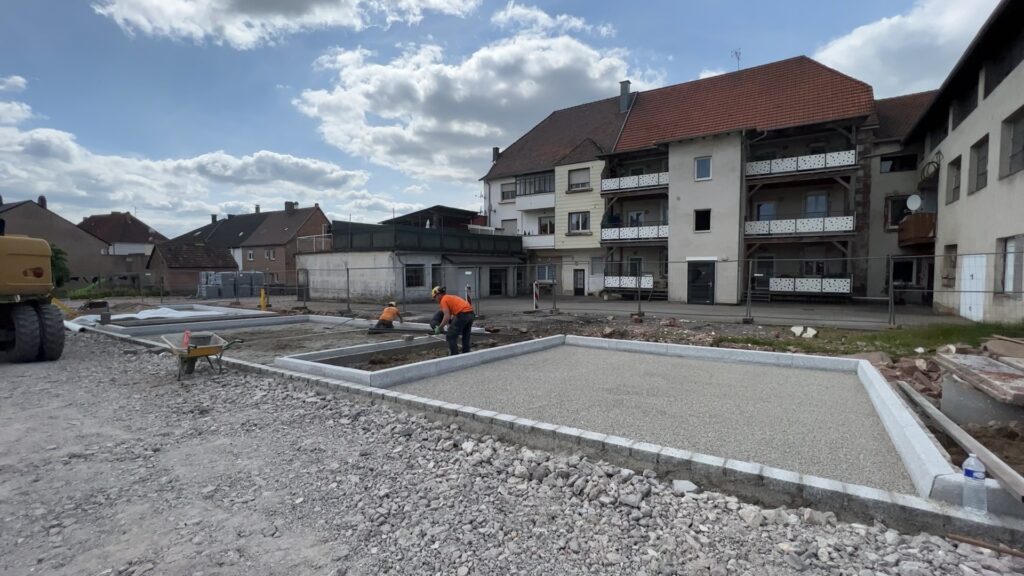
[201,345]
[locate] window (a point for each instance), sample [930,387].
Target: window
[964,104]
[899,163]
[701,220]
[904,271]
[508,191]
[546,225]
[596,265]
[953,181]
[766,210]
[1012,160]
[545,272]
[436,275]
[579,179]
[895,210]
[949,266]
[1000,67]
[702,168]
[270,254]
[816,205]
[535,184]
[579,222]
[414,276]
[937,134]
[635,218]
[813,268]
[979,166]
[249,255]
[1012,282]
[509,227]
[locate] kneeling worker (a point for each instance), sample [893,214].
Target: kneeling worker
[387,317]
[458,317]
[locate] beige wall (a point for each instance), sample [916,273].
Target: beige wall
[882,240]
[582,201]
[722,195]
[976,221]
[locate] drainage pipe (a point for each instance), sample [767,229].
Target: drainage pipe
[1007,477]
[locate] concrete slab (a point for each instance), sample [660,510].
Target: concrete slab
[816,422]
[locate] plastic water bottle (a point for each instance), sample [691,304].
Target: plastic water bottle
[975,497]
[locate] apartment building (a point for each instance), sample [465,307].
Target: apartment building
[972,135]
[546,188]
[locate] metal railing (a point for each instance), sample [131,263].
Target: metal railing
[634,182]
[808,162]
[805,224]
[619,231]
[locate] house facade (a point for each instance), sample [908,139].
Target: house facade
[125,233]
[272,246]
[972,135]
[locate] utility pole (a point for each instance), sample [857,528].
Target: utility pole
[737,54]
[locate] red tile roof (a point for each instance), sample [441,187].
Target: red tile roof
[793,92]
[896,116]
[547,144]
[120,227]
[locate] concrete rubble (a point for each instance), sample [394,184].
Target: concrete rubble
[240,474]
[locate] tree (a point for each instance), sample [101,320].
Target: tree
[59,265]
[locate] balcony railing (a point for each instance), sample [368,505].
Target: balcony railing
[539,241]
[800,226]
[646,281]
[634,182]
[802,163]
[647,231]
[810,285]
[917,228]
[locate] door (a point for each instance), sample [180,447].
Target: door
[816,205]
[701,282]
[579,282]
[764,269]
[636,265]
[972,286]
[497,282]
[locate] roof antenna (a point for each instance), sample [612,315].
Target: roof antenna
[737,55]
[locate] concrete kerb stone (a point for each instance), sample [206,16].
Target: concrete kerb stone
[593,441]
[850,502]
[505,420]
[617,445]
[645,453]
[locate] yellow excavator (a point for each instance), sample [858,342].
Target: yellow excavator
[31,327]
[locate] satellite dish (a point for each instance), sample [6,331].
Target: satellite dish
[913,202]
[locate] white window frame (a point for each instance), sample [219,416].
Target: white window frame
[550,217]
[502,190]
[955,168]
[545,272]
[579,186]
[250,255]
[576,228]
[979,166]
[695,210]
[711,171]
[1013,267]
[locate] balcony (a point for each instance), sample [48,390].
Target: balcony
[808,163]
[812,226]
[537,201]
[917,229]
[810,285]
[539,242]
[646,232]
[627,183]
[646,281]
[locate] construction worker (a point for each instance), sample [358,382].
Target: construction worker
[388,315]
[458,317]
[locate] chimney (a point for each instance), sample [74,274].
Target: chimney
[624,96]
[213,218]
[495,154]
[289,207]
[257,208]
[41,201]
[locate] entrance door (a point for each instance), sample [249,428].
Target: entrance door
[764,268]
[701,284]
[972,286]
[579,282]
[497,282]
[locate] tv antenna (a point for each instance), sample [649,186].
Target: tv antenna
[737,54]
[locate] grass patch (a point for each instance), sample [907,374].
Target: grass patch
[95,292]
[896,342]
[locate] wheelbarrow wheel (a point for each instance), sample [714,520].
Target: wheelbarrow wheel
[190,365]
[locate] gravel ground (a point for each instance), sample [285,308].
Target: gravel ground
[109,467]
[810,421]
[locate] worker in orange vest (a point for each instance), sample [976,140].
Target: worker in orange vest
[387,317]
[458,317]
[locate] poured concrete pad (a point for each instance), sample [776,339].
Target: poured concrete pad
[809,421]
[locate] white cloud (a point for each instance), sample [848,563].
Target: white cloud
[416,189]
[249,23]
[908,52]
[14,112]
[12,83]
[709,72]
[174,195]
[532,19]
[437,120]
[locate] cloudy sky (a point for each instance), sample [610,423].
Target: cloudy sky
[176,109]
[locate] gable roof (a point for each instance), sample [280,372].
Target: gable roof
[279,227]
[120,227]
[547,143]
[898,114]
[783,94]
[226,233]
[11,205]
[35,205]
[195,255]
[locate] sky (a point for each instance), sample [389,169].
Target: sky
[178,109]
